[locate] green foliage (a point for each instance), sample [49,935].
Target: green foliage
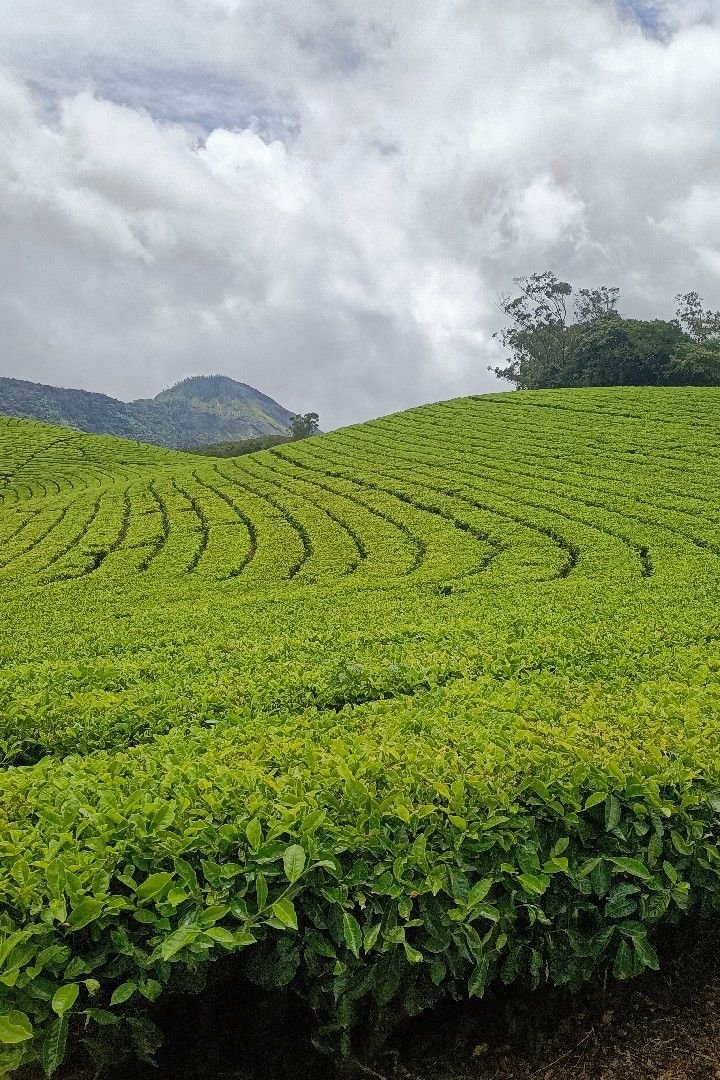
[301,427]
[600,348]
[701,325]
[693,364]
[391,714]
[625,352]
[538,333]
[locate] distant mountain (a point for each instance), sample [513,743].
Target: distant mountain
[197,411]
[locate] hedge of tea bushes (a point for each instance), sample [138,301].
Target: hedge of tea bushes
[391,714]
[383,855]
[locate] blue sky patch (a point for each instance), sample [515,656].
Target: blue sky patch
[198,98]
[643,12]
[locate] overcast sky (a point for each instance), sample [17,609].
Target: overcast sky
[325,198]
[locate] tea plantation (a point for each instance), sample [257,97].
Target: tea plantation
[386,715]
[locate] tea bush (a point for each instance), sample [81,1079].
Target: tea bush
[391,713]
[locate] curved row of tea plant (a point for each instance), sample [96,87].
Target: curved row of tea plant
[389,713]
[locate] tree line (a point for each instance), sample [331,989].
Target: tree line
[302,426]
[556,338]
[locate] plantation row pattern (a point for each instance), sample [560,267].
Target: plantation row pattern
[432,496]
[391,713]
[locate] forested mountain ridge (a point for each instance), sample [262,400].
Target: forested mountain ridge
[199,410]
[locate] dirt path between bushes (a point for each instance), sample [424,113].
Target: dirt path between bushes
[662,1026]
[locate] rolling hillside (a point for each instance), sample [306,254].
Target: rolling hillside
[199,410]
[393,713]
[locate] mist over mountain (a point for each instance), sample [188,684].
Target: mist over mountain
[196,411]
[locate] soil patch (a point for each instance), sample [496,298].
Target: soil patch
[662,1026]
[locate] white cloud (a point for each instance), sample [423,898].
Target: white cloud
[256,169]
[325,199]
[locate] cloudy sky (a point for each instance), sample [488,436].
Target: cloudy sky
[325,198]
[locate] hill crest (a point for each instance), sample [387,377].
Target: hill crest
[198,410]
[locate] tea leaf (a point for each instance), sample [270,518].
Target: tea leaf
[284,912]
[123,993]
[87,911]
[15,1027]
[153,885]
[294,862]
[352,933]
[53,1047]
[64,998]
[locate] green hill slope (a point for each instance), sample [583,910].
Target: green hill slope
[194,412]
[393,712]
